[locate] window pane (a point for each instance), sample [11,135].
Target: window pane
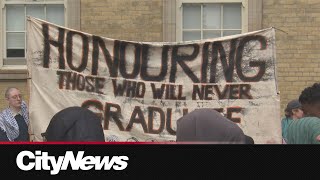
[15,44]
[228,33]
[15,18]
[191,16]
[211,34]
[36,11]
[15,52]
[194,35]
[15,40]
[232,16]
[211,16]
[15,21]
[55,14]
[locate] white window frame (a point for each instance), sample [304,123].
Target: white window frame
[179,15]
[3,47]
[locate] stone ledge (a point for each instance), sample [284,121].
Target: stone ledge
[13,74]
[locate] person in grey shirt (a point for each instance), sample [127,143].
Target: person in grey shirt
[209,126]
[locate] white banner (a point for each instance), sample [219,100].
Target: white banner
[140,89]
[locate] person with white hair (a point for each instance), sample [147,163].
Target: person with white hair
[15,118]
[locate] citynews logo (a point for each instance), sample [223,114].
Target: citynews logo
[42,161]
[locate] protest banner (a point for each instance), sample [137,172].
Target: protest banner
[140,89]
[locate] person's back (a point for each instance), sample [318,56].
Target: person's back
[75,124]
[304,131]
[208,125]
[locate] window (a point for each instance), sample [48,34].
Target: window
[14,25]
[210,18]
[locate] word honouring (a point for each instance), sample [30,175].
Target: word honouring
[42,161]
[97,50]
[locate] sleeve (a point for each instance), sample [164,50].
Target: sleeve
[282,126]
[3,134]
[315,131]
[2,127]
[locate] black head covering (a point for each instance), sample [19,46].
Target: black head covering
[249,140]
[208,125]
[75,124]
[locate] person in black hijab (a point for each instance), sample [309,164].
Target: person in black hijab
[209,126]
[75,124]
[249,140]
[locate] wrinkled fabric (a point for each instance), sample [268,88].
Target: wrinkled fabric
[208,126]
[75,124]
[304,131]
